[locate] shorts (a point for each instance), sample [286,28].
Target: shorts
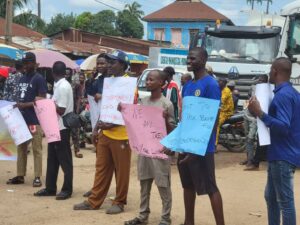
[199,174]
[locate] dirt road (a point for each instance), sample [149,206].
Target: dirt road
[242,194]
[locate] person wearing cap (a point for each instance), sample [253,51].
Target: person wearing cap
[227,106]
[113,152]
[32,86]
[3,76]
[235,93]
[11,88]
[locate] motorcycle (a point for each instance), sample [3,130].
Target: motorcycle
[232,134]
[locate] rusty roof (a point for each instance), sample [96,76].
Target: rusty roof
[19,30]
[186,11]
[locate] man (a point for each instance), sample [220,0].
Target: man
[3,76]
[150,169]
[235,94]
[171,91]
[102,67]
[11,88]
[250,125]
[32,86]
[78,94]
[185,78]
[227,107]
[197,173]
[59,153]
[113,153]
[209,71]
[283,120]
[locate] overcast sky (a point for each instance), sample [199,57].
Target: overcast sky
[236,10]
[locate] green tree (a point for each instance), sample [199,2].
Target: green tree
[84,21]
[18,4]
[252,2]
[129,25]
[103,22]
[135,9]
[30,20]
[60,22]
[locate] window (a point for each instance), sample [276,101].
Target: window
[176,37]
[193,32]
[294,40]
[159,34]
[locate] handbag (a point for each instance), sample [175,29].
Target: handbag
[71,120]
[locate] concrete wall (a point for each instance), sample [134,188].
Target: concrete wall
[184,26]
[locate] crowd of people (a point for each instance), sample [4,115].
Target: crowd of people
[113,154]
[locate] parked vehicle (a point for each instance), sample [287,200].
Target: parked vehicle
[232,135]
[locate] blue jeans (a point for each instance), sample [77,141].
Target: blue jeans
[279,193]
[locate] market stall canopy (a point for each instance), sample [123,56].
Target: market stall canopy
[10,52]
[46,58]
[90,62]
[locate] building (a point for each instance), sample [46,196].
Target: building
[179,21]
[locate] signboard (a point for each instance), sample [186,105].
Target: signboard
[173,57]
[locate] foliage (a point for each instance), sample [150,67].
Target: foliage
[129,25]
[30,20]
[60,22]
[103,22]
[135,9]
[83,21]
[17,4]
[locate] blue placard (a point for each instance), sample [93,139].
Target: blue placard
[193,133]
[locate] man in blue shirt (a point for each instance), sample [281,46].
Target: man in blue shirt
[283,120]
[197,173]
[32,86]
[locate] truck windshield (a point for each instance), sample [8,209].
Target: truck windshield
[242,50]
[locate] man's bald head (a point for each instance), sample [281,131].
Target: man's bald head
[281,70]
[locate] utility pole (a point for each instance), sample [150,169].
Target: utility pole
[268,6]
[252,4]
[8,22]
[39,8]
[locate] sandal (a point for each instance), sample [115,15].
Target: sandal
[78,155]
[16,180]
[37,182]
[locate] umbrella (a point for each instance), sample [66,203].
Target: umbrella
[46,58]
[10,52]
[89,63]
[79,61]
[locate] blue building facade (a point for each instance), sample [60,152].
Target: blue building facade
[184,30]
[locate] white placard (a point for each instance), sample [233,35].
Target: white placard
[264,94]
[16,124]
[116,90]
[94,110]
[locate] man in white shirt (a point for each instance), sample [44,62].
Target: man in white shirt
[59,153]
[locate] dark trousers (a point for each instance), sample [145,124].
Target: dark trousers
[59,154]
[260,154]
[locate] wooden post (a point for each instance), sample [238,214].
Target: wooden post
[8,22]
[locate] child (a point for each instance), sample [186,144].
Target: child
[150,169]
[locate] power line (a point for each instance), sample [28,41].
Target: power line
[110,6]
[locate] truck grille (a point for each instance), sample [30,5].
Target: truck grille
[242,84]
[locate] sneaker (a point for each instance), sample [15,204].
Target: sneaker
[135,221]
[37,182]
[115,209]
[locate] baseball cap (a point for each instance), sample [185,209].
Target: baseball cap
[231,83]
[29,57]
[118,55]
[4,72]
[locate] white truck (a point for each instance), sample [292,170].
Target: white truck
[242,52]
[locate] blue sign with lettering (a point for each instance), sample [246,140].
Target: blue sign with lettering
[193,133]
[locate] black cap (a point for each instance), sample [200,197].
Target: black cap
[29,57]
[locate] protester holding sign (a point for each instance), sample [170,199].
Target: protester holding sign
[32,86]
[283,119]
[197,173]
[113,152]
[150,169]
[59,152]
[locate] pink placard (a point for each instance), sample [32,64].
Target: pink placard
[145,126]
[46,113]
